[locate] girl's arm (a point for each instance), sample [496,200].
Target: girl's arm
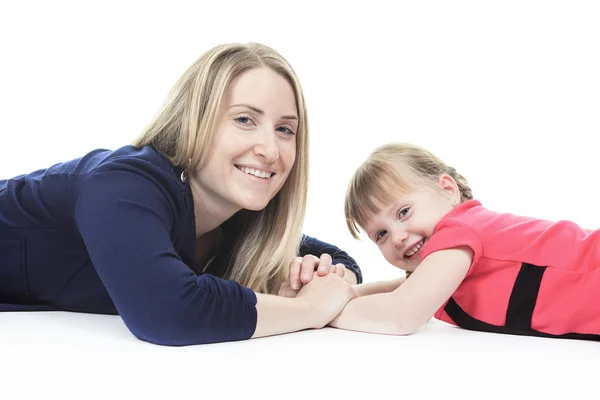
[366,289]
[412,304]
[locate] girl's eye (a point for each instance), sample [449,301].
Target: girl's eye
[402,213]
[379,235]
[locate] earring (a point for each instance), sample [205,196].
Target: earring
[184,174]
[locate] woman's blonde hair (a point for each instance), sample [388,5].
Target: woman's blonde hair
[265,241]
[389,170]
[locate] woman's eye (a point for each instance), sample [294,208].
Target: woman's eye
[285,130]
[243,120]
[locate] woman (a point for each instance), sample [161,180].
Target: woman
[188,233]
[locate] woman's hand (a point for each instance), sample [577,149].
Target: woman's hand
[326,296]
[303,269]
[316,305]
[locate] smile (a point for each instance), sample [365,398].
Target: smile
[256,172]
[413,250]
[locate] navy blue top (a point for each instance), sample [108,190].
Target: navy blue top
[113,232]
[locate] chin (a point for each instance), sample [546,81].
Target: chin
[255,208]
[255,205]
[256,201]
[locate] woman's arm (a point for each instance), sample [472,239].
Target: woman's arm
[316,247]
[412,304]
[317,303]
[126,220]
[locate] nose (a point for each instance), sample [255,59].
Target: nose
[267,146]
[399,235]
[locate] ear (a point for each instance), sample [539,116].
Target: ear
[449,186]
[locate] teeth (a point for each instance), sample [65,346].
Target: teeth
[412,251]
[256,172]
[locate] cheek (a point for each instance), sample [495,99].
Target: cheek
[287,152]
[210,168]
[426,223]
[221,154]
[388,253]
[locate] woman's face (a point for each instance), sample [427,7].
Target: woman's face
[255,143]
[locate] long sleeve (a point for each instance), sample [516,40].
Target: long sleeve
[311,245]
[126,219]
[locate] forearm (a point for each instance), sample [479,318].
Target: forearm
[366,289]
[407,308]
[372,314]
[277,315]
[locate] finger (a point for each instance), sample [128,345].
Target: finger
[282,288]
[332,269]
[324,264]
[295,267]
[287,291]
[309,262]
[340,269]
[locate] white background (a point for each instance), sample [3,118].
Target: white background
[507,92]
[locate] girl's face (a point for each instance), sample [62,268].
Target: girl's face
[402,227]
[255,146]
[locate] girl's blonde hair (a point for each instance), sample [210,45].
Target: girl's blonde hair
[265,241]
[391,169]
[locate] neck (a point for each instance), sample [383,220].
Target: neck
[209,213]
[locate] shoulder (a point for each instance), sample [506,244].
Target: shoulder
[145,160]
[470,211]
[130,173]
[129,164]
[472,215]
[459,229]
[473,226]
[487,223]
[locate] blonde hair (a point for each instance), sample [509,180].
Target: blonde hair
[265,241]
[388,170]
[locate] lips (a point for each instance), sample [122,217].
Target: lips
[257,172]
[414,249]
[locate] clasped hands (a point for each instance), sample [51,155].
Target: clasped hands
[324,287]
[302,270]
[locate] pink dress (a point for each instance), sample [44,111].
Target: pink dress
[528,276]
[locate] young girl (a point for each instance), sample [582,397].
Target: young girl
[467,265]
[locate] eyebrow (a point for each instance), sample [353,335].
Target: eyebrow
[261,112]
